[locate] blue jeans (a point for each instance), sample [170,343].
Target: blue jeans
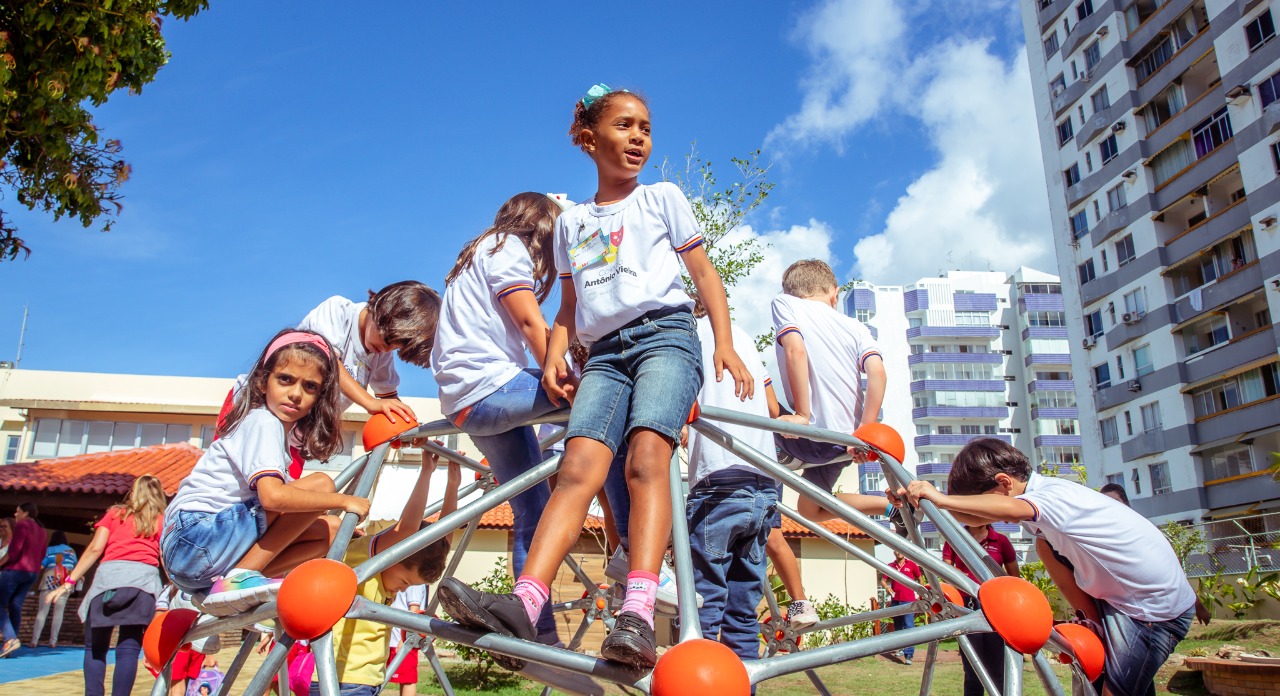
[644,375]
[348,689]
[729,522]
[1137,649]
[495,426]
[904,623]
[198,547]
[13,592]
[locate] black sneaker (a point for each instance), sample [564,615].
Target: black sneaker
[503,614]
[898,524]
[630,642]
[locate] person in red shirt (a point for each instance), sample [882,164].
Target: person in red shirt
[901,594]
[989,646]
[19,566]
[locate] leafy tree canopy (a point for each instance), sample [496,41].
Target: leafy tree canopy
[58,58]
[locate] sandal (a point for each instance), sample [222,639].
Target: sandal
[10,646]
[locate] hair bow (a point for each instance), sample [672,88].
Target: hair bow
[597,90]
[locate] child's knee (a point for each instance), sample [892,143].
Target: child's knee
[317,482]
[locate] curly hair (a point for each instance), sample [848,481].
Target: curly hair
[588,117]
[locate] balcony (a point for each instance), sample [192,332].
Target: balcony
[915,300]
[1104,285]
[1242,491]
[1049,13]
[1036,385]
[1101,120]
[1146,323]
[1222,291]
[1047,359]
[955,440]
[1195,175]
[1056,440]
[1205,233]
[1040,302]
[952,412]
[932,469]
[1179,124]
[1178,63]
[1255,415]
[974,302]
[965,385]
[979,358]
[1083,29]
[1255,345]
[926,332]
[1077,89]
[1045,332]
[1055,412]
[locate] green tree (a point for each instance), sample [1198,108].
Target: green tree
[57,59]
[1184,539]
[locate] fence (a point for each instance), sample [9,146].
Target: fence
[1235,546]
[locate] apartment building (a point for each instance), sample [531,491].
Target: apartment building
[1158,123]
[969,355]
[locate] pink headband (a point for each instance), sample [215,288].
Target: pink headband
[297,337]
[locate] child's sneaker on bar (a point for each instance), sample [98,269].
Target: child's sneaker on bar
[238,593]
[801,614]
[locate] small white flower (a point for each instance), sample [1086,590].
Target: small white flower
[1239,581]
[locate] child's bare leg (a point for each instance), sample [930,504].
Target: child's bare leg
[785,564]
[314,542]
[649,482]
[284,529]
[582,473]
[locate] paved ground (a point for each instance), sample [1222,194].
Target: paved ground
[60,673]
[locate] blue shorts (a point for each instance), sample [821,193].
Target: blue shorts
[644,375]
[200,547]
[1137,649]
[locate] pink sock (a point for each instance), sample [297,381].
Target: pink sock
[642,593]
[534,594]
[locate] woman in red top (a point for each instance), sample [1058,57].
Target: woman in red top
[19,566]
[124,590]
[989,646]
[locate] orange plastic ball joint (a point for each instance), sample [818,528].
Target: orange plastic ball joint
[1087,647]
[379,429]
[164,636]
[314,596]
[1017,611]
[699,667]
[952,594]
[694,412]
[883,438]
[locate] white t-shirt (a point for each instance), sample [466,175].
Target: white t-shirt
[415,594]
[1119,556]
[229,471]
[338,320]
[478,347]
[707,457]
[624,257]
[837,346]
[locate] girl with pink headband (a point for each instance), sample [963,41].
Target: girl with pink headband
[240,519]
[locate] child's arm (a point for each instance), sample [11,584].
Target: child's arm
[771,397]
[971,509]
[451,492]
[391,407]
[523,309]
[1066,582]
[797,367]
[556,376]
[873,398]
[276,496]
[414,507]
[711,292]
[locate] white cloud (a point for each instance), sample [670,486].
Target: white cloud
[752,295]
[983,201]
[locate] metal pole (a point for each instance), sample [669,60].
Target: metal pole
[262,680]
[368,477]
[233,672]
[326,665]
[988,681]
[1049,678]
[930,660]
[690,626]
[835,540]
[1012,671]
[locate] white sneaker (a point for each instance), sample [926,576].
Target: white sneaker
[801,614]
[618,566]
[238,594]
[668,600]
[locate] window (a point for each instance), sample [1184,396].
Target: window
[973,318]
[1046,319]
[1160,478]
[1088,162]
[1116,198]
[1128,424]
[1101,100]
[1065,132]
[1269,89]
[1246,388]
[1137,483]
[1051,44]
[946,430]
[1079,224]
[1086,271]
[1097,210]
[1110,435]
[1232,460]
[1084,9]
[64,438]
[1259,31]
[872,482]
[1108,148]
[1093,324]
[1102,376]
[970,430]
[1154,59]
[207,434]
[1142,361]
[1124,250]
[1211,133]
[1275,155]
[1103,255]
[1092,56]
[1151,421]
[11,449]
[1058,85]
[862,315]
[1135,302]
[1119,368]
[1172,160]
[1169,102]
[1072,174]
[1116,480]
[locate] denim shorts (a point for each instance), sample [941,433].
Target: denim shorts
[1137,649]
[644,375]
[199,547]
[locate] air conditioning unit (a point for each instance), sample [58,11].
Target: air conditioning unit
[1127,317]
[1058,90]
[1238,92]
[1102,31]
[1089,342]
[1135,385]
[1117,127]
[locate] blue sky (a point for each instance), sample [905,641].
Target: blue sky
[294,151]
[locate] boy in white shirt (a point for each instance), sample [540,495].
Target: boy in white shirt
[1127,584]
[822,355]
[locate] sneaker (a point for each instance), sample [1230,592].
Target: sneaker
[238,594]
[503,614]
[550,638]
[211,645]
[907,660]
[668,600]
[801,614]
[618,567]
[10,647]
[896,522]
[630,642]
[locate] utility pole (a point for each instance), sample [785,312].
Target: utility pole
[22,335]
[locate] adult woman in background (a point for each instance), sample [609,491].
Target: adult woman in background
[124,590]
[19,567]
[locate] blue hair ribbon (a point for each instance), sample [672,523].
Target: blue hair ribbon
[597,90]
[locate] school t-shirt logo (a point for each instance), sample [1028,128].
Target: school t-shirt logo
[615,241]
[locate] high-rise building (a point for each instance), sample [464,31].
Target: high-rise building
[980,354]
[1159,128]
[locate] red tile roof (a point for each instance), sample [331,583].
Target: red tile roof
[106,473]
[502,518]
